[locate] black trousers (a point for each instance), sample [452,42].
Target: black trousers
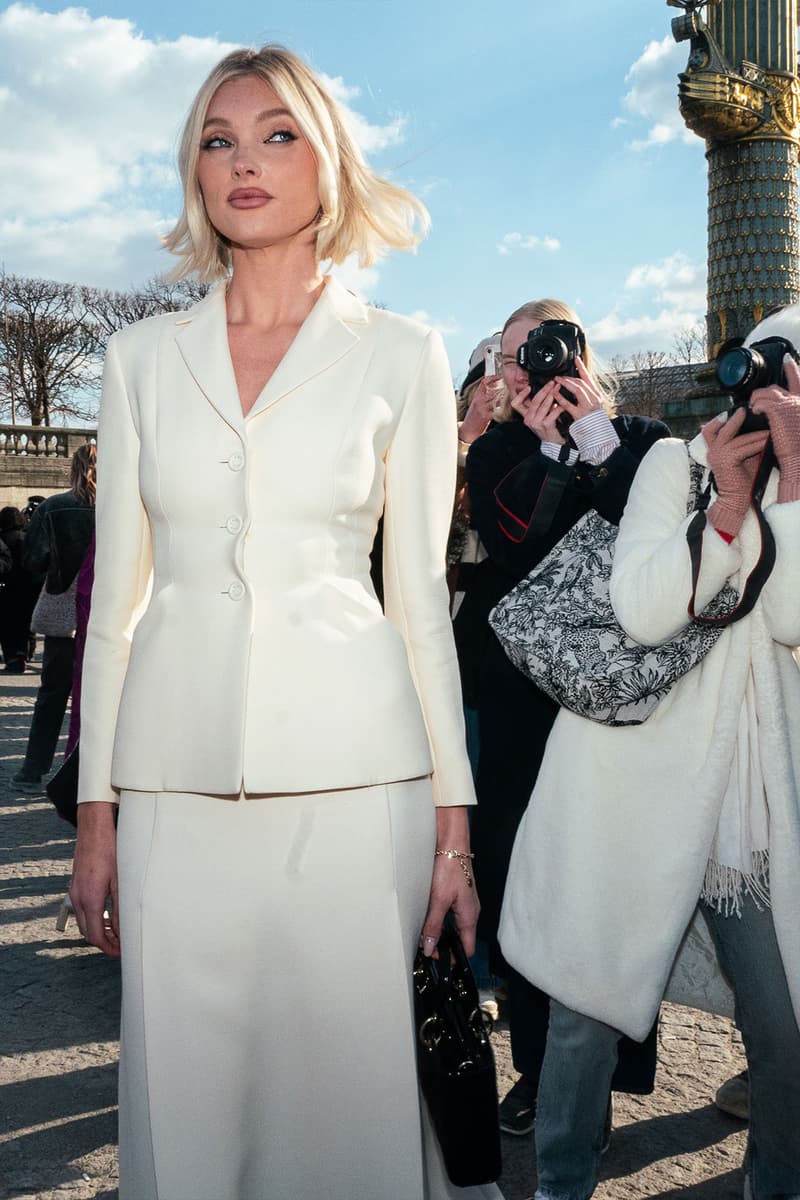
[51,703]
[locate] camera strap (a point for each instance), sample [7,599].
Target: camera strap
[766,559]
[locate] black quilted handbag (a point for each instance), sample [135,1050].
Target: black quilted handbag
[456,1064]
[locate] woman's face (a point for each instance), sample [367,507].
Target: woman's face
[256,171]
[514,377]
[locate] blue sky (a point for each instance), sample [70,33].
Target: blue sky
[544,138]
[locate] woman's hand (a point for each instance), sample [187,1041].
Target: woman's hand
[540,412]
[480,410]
[781,406]
[94,877]
[584,395]
[450,889]
[734,459]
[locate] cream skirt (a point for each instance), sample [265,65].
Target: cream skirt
[267,1037]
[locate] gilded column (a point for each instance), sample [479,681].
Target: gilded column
[741,93]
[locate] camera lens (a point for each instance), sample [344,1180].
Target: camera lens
[739,369]
[547,354]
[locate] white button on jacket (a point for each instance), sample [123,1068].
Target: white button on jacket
[303,684]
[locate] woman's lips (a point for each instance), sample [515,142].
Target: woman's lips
[248,198]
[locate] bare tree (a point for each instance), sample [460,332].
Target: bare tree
[114,310]
[689,344]
[644,383]
[48,350]
[53,336]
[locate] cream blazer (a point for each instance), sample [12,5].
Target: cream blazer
[235,637]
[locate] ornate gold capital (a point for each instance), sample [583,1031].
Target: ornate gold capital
[722,104]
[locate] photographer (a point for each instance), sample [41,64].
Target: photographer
[629,827]
[529,480]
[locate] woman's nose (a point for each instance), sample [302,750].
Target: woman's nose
[244,165]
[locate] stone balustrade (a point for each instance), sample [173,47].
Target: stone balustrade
[36,459]
[43,441]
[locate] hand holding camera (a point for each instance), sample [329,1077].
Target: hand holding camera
[734,458]
[540,413]
[561,390]
[781,407]
[763,380]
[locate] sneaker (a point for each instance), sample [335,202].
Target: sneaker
[518,1109]
[734,1097]
[487,1003]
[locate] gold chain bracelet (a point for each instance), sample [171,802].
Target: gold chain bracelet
[462,857]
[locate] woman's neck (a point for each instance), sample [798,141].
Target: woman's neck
[273,287]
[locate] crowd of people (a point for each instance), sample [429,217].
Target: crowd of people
[314,770]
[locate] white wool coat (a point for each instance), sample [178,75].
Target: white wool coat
[610,855]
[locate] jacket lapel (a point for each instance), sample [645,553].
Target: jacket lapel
[327,334]
[202,338]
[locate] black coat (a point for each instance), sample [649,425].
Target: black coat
[58,537]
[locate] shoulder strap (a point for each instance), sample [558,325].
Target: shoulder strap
[766,559]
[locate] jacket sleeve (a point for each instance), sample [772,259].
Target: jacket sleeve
[123,563]
[420,486]
[651,579]
[779,598]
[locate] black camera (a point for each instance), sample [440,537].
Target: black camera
[742,369]
[552,349]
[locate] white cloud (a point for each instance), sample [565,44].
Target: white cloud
[91,112]
[652,95]
[106,246]
[371,138]
[642,330]
[361,280]
[676,280]
[661,299]
[447,327]
[527,241]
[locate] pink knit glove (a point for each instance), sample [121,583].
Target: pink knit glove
[782,409]
[734,459]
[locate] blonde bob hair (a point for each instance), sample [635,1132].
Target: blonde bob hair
[360,213]
[556,310]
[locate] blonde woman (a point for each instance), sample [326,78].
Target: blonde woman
[529,483]
[288,761]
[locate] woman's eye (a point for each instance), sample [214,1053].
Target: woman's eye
[214,143]
[282,135]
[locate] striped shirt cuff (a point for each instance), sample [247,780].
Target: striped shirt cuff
[553,450]
[595,437]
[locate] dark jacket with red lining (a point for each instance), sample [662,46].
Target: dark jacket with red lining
[522,503]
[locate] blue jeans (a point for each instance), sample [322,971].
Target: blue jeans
[581,1054]
[748,954]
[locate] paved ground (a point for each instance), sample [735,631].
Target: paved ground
[59,1026]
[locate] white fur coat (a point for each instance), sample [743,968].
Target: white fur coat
[610,856]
